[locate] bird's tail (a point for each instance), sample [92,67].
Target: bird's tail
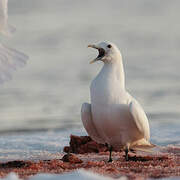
[143,145]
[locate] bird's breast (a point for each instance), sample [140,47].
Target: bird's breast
[107,91]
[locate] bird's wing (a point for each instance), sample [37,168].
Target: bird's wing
[86,117]
[10,60]
[140,118]
[4,27]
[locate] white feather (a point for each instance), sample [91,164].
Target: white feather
[140,119]
[10,60]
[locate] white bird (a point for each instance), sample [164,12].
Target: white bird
[114,117]
[10,59]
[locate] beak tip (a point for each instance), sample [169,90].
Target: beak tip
[91,62]
[92,46]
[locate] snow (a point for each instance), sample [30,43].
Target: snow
[35,145]
[76,175]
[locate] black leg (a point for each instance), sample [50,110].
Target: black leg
[126,154]
[110,154]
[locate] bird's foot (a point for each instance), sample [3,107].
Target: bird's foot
[110,154]
[126,154]
[110,160]
[127,157]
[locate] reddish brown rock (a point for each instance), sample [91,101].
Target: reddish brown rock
[71,158]
[84,144]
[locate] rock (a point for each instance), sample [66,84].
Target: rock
[84,144]
[71,158]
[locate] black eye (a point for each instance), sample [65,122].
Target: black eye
[109,46]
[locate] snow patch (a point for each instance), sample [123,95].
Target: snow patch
[76,175]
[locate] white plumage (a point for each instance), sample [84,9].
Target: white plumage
[10,59]
[114,117]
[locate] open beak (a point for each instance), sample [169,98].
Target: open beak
[101,53]
[93,46]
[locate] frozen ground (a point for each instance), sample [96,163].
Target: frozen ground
[35,145]
[49,145]
[77,175]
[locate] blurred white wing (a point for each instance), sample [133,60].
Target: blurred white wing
[4,27]
[10,60]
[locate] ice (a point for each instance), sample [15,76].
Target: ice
[35,145]
[39,145]
[11,176]
[76,175]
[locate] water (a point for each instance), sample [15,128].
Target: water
[49,91]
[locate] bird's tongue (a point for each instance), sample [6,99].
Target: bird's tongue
[101,53]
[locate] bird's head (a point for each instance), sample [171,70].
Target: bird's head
[108,52]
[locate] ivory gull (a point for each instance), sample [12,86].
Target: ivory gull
[114,117]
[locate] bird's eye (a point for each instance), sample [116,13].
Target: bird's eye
[109,46]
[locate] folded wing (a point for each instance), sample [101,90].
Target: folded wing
[142,124]
[86,117]
[140,119]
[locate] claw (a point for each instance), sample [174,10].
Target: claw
[110,160]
